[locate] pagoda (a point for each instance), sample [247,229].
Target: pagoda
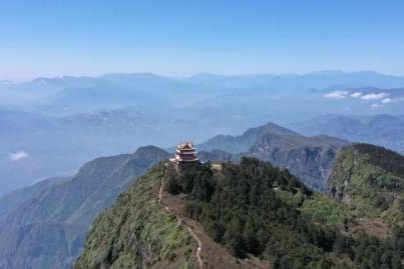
[185,153]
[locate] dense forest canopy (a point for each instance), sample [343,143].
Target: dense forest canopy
[255,209]
[385,158]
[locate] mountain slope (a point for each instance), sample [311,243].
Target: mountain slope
[13,200]
[246,215]
[136,232]
[132,216]
[309,158]
[370,180]
[47,228]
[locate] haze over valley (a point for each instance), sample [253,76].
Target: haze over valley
[51,126]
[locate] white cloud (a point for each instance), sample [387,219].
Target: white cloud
[337,95]
[392,100]
[6,82]
[16,156]
[387,100]
[374,96]
[356,94]
[376,105]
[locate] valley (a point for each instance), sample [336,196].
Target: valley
[51,126]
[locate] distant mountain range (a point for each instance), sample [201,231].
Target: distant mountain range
[314,80]
[113,91]
[309,158]
[50,126]
[384,130]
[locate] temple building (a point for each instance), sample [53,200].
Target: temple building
[185,153]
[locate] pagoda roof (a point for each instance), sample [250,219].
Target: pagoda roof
[186,145]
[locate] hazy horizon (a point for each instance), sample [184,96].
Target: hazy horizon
[197,74]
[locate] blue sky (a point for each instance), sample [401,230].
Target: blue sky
[173,37]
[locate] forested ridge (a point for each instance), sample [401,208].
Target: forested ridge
[253,208]
[370,181]
[387,159]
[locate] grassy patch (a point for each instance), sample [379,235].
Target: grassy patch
[136,232]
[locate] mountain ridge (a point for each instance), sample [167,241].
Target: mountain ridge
[257,202]
[370,180]
[47,229]
[309,158]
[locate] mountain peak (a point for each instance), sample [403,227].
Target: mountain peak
[273,128]
[309,158]
[150,150]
